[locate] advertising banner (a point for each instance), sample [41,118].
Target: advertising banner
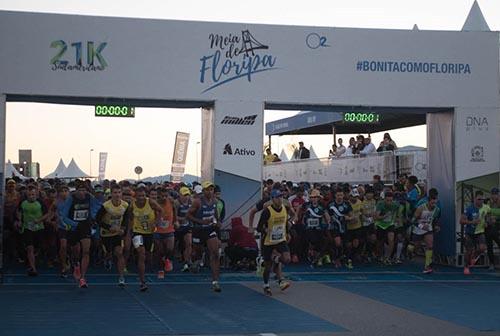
[179,157]
[103,156]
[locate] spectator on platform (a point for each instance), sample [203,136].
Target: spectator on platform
[368,146]
[388,137]
[360,144]
[268,157]
[341,150]
[352,146]
[276,158]
[333,152]
[385,145]
[302,153]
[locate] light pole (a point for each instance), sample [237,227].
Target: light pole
[197,167]
[91,150]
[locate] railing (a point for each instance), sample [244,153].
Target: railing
[351,169]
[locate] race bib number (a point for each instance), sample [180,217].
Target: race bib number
[278,233]
[115,223]
[164,224]
[312,223]
[211,219]
[80,215]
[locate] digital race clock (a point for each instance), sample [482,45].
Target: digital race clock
[361,117]
[114,111]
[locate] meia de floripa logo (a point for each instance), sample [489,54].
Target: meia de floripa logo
[228,150]
[234,56]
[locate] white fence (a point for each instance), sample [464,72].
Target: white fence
[351,169]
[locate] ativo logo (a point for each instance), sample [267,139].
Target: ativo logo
[228,150]
[248,120]
[476,123]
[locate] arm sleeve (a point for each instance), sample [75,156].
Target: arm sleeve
[65,212]
[99,216]
[264,217]
[95,205]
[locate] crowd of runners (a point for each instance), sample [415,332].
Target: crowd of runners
[153,226]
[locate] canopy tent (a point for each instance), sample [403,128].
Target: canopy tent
[283,156]
[61,167]
[11,171]
[320,122]
[73,171]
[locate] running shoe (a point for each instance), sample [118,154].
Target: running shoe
[76,272]
[387,262]
[284,284]
[326,259]
[338,263]
[64,274]
[267,290]
[108,264]
[349,264]
[161,275]
[168,265]
[143,287]
[319,263]
[125,270]
[121,281]
[185,268]
[398,261]
[32,272]
[428,270]
[216,287]
[466,271]
[83,283]
[476,259]
[491,268]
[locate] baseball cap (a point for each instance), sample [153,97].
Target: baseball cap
[494,190]
[11,181]
[198,189]
[98,189]
[276,193]
[207,184]
[184,191]
[355,192]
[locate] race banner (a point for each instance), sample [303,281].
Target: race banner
[103,156]
[179,157]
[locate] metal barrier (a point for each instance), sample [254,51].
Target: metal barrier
[351,169]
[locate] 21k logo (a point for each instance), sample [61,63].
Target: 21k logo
[93,53]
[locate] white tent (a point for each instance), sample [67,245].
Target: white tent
[73,171]
[11,171]
[312,153]
[475,20]
[283,156]
[61,167]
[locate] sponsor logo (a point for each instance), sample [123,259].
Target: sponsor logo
[476,123]
[228,150]
[232,57]
[248,120]
[477,154]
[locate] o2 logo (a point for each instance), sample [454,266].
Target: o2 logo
[93,51]
[315,41]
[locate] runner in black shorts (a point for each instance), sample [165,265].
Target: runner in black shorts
[79,210]
[340,213]
[113,220]
[184,229]
[204,216]
[273,226]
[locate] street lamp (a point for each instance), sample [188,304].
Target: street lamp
[197,169]
[91,150]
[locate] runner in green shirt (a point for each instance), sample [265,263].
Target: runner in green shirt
[385,216]
[30,216]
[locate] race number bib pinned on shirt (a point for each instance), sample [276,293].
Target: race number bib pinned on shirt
[277,233]
[80,215]
[312,223]
[164,224]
